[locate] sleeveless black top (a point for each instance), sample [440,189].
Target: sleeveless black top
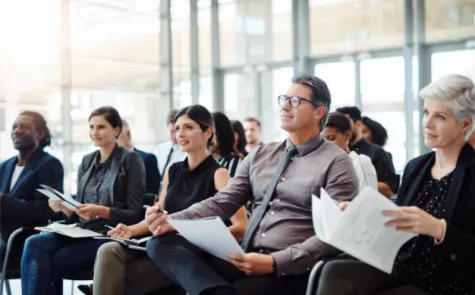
[187,187]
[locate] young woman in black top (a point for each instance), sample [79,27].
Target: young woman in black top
[185,183]
[223,150]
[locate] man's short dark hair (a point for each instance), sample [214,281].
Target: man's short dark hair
[254,120]
[320,92]
[339,121]
[353,112]
[171,116]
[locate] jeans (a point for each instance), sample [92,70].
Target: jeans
[48,257]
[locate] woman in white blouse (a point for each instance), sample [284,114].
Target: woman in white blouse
[338,131]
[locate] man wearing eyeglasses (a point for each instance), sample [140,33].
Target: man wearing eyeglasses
[279,180]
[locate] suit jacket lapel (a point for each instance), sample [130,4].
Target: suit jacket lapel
[85,177]
[114,171]
[417,179]
[463,162]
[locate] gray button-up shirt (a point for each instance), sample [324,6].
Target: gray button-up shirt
[287,226]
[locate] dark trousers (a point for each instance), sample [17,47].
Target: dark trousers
[196,271]
[349,277]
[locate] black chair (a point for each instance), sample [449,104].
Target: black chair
[10,271]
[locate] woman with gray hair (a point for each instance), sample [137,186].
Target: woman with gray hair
[436,202]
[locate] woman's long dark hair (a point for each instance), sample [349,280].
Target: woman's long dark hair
[224,134]
[241,141]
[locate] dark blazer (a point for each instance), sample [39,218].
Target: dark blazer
[458,247]
[23,205]
[127,181]
[152,183]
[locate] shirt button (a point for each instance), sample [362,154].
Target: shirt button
[263,235]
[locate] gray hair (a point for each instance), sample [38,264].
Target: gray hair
[320,93]
[457,91]
[125,125]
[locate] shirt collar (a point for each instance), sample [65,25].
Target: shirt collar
[306,147]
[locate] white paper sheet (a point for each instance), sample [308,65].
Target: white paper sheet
[210,234]
[53,194]
[359,230]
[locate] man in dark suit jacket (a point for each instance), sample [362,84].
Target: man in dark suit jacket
[152,184]
[20,204]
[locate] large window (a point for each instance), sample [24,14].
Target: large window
[449,19]
[350,25]
[340,79]
[255,31]
[382,93]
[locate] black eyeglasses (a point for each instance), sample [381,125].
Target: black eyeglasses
[294,101]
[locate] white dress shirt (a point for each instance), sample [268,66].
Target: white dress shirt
[163,151]
[364,170]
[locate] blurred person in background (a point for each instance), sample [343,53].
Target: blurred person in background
[388,182]
[223,146]
[252,129]
[374,132]
[338,131]
[169,152]
[152,183]
[239,139]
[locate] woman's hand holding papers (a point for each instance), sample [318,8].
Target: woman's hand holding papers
[253,263]
[90,211]
[156,221]
[58,206]
[415,220]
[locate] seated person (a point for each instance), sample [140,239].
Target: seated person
[437,203]
[185,183]
[388,181]
[111,185]
[280,242]
[338,131]
[152,182]
[239,139]
[223,147]
[20,176]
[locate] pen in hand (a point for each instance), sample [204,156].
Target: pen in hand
[158,211]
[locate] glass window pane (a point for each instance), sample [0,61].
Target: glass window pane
[453,62]
[255,31]
[335,75]
[449,19]
[382,93]
[355,25]
[114,33]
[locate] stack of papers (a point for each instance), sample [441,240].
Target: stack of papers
[69,230]
[53,194]
[359,230]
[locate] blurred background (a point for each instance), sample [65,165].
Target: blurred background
[66,57]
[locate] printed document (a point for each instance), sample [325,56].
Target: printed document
[55,195]
[70,230]
[359,230]
[209,234]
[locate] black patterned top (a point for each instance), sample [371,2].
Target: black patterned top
[419,263]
